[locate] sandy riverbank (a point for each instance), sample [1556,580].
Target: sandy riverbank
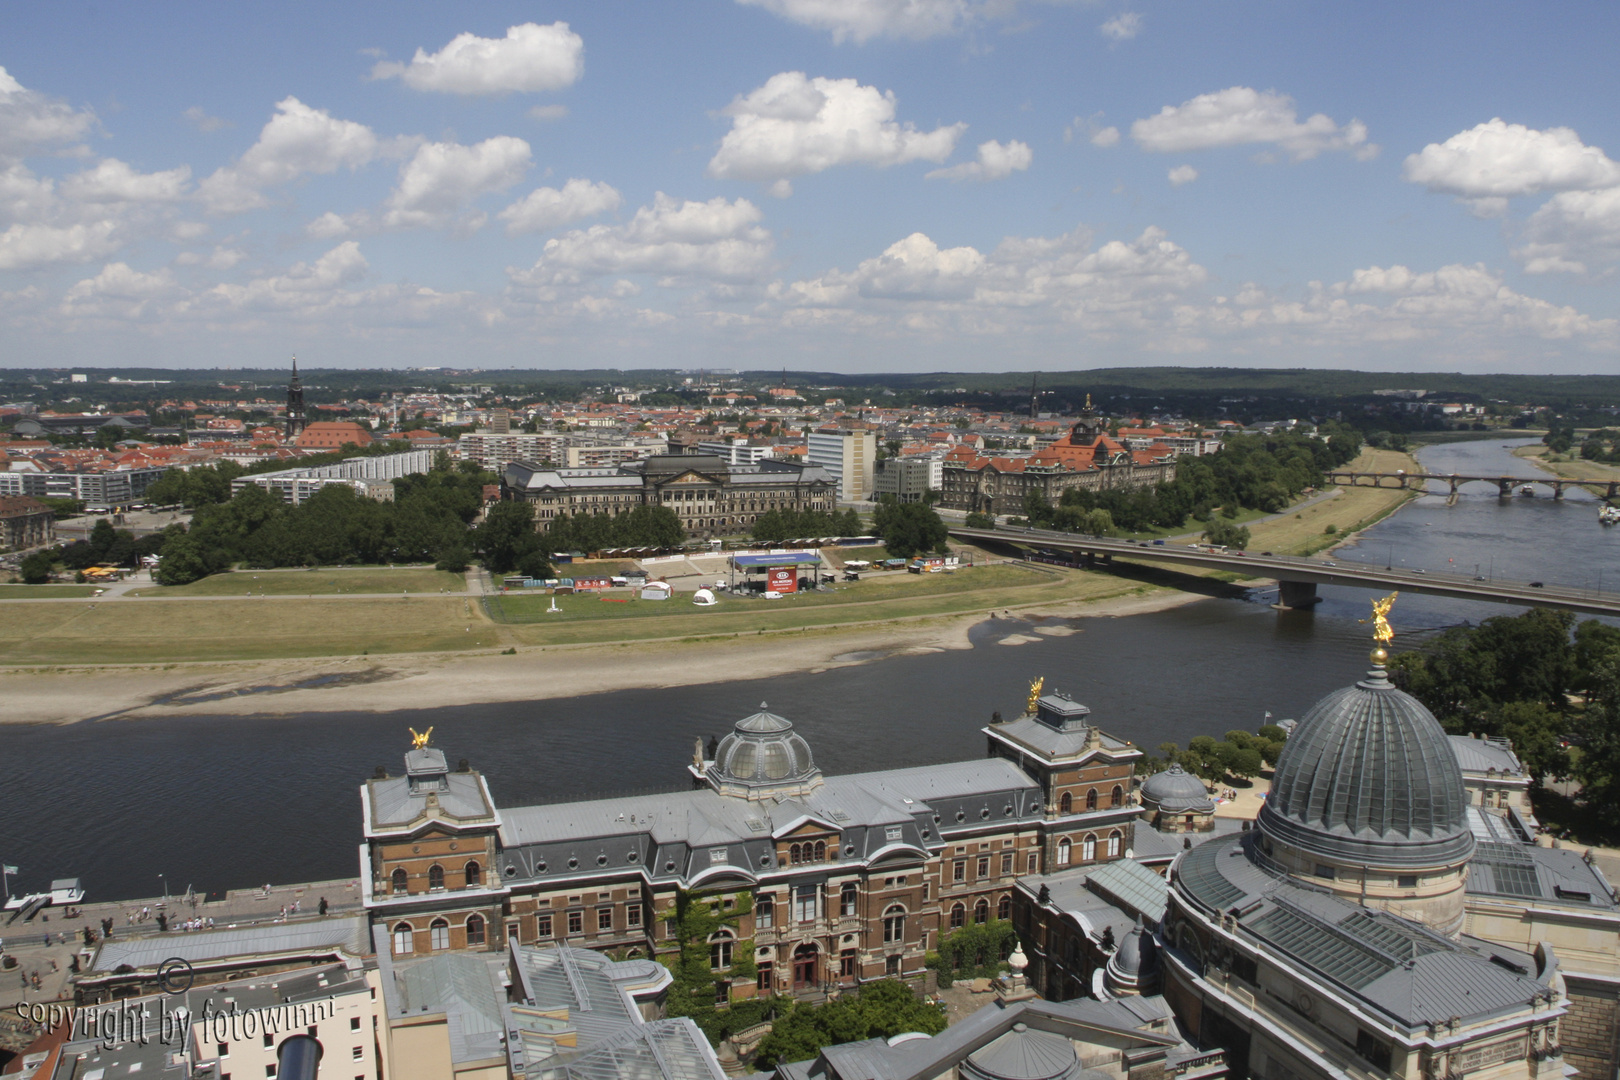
[430,681]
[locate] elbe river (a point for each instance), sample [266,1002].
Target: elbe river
[230,802]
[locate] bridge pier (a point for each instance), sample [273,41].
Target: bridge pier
[1453,487]
[1297,594]
[1558,490]
[1504,487]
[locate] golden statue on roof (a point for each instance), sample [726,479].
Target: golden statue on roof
[1034,695]
[419,740]
[1383,633]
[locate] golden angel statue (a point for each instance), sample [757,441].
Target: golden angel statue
[419,741]
[1035,695]
[1382,632]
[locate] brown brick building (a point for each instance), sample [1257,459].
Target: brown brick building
[838,879]
[25,523]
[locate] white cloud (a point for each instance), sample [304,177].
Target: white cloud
[1498,159]
[547,208]
[198,117]
[23,247]
[529,59]
[304,286]
[715,239]
[794,125]
[118,292]
[547,114]
[1092,130]
[1571,231]
[221,258]
[32,123]
[1122,27]
[298,140]
[1240,116]
[1182,174]
[1025,281]
[440,180]
[1105,137]
[862,20]
[995,162]
[329,226]
[113,181]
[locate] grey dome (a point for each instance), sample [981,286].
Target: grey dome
[1022,1054]
[1134,964]
[1369,777]
[1176,790]
[763,756]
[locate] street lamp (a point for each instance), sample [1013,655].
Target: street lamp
[165,879]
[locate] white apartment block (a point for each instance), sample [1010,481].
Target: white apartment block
[850,456]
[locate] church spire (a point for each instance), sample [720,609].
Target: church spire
[295,405]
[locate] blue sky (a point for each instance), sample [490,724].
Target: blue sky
[828,184]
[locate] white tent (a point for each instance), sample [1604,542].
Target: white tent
[703,598]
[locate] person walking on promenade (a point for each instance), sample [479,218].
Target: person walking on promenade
[323,905]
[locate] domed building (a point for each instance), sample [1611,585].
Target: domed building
[764,758]
[1367,801]
[1177,801]
[1327,941]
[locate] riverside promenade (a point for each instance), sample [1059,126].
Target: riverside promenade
[239,907]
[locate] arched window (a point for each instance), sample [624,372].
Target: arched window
[848,898]
[1004,908]
[438,935]
[1118,797]
[402,880]
[475,930]
[720,946]
[1088,848]
[1066,804]
[795,855]
[1113,845]
[435,877]
[894,923]
[404,939]
[1064,850]
[821,851]
[981,911]
[1091,800]
[475,875]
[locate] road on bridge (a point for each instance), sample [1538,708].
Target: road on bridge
[1298,576]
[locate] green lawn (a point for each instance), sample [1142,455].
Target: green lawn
[319,582]
[35,592]
[981,589]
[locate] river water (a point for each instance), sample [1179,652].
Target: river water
[228,802]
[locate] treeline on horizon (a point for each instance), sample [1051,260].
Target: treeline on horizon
[1069,388]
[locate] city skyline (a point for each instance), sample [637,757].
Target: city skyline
[902,186]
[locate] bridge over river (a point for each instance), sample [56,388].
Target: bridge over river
[1298,577]
[1604,489]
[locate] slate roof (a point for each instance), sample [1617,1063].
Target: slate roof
[1548,875]
[465,987]
[1394,966]
[686,834]
[400,800]
[1481,755]
[200,946]
[916,1059]
[1157,848]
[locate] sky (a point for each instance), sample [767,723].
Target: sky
[834,185]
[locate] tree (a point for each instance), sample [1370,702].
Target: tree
[882,1010]
[909,528]
[36,568]
[184,561]
[1223,532]
[506,535]
[976,520]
